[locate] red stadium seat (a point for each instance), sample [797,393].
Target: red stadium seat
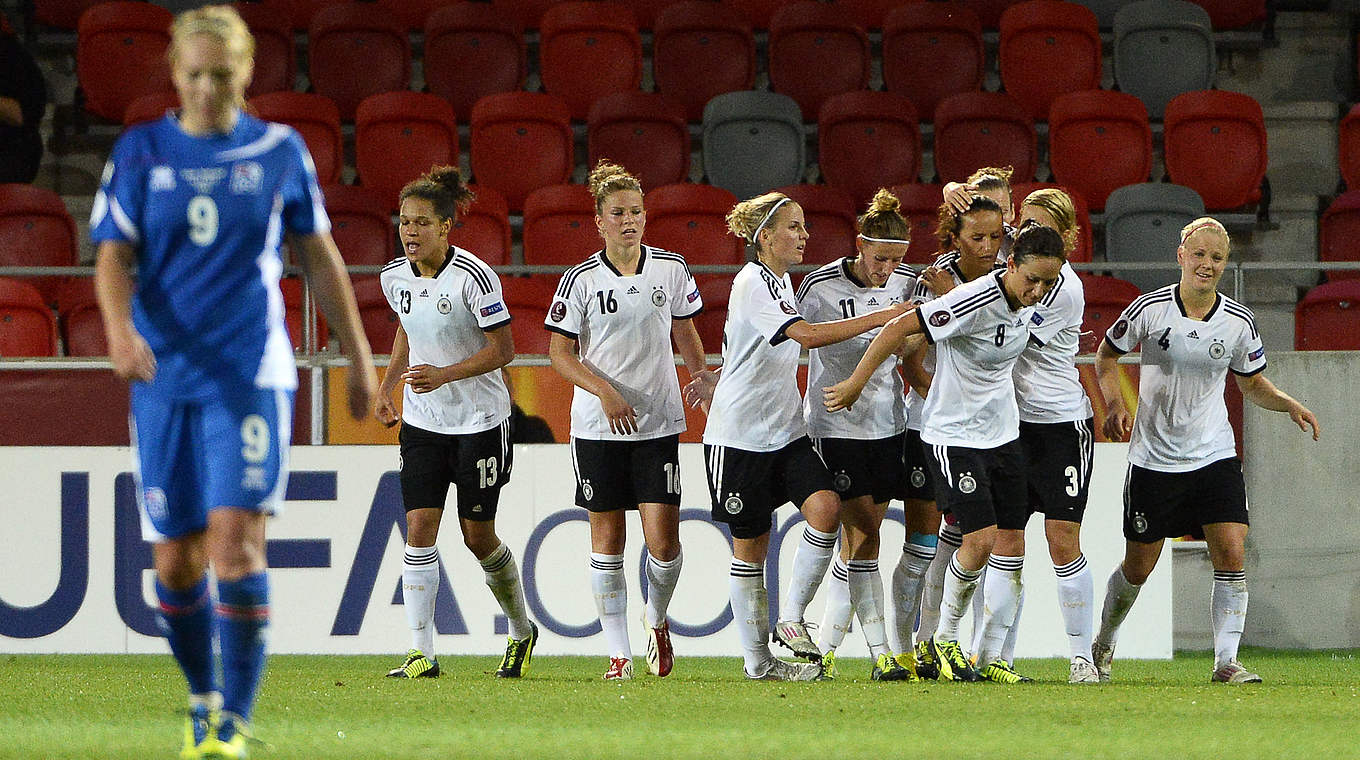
[932,51]
[398,136]
[355,50]
[1233,14]
[61,14]
[1328,318]
[413,13]
[816,52]
[82,326]
[507,128]
[559,225]
[150,107]
[27,326]
[691,221]
[120,55]
[291,287]
[1215,143]
[1099,141]
[1085,235]
[758,13]
[977,129]
[829,213]
[989,12]
[921,207]
[484,227]
[375,313]
[1339,234]
[647,11]
[36,230]
[472,37]
[869,14]
[316,118]
[714,291]
[1048,47]
[587,50]
[361,226]
[1106,298]
[1349,149]
[867,140]
[701,49]
[527,14]
[528,299]
[643,132]
[275,58]
[305,10]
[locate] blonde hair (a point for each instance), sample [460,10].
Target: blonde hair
[748,218]
[444,188]
[219,21]
[884,220]
[1205,223]
[992,178]
[608,178]
[1059,206]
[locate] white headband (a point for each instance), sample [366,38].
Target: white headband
[763,222]
[1204,223]
[862,236]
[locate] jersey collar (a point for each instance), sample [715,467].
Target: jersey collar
[849,272]
[1218,300]
[642,261]
[449,256]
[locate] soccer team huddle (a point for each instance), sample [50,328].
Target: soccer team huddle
[953,389]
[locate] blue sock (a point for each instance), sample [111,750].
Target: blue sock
[242,614]
[186,618]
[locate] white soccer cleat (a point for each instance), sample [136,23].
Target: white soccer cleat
[1082,671]
[793,634]
[1233,672]
[620,669]
[780,670]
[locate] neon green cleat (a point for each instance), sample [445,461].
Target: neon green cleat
[199,726]
[954,666]
[229,741]
[829,665]
[925,665]
[416,665]
[518,653]
[1000,671]
[887,668]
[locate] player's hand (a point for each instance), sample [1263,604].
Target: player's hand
[384,410]
[938,280]
[960,198]
[1305,419]
[1118,423]
[424,378]
[842,395]
[361,386]
[622,417]
[698,392]
[131,356]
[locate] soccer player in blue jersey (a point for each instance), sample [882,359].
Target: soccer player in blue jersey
[188,221]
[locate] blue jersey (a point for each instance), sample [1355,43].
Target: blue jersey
[206,216]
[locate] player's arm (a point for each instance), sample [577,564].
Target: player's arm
[818,334]
[1118,421]
[325,272]
[1260,391]
[562,353]
[913,355]
[128,350]
[383,408]
[691,349]
[843,394]
[498,352]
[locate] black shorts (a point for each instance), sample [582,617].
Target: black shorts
[920,475]
[1160,505]
[746,487]
[871,468]
[477,463]
[981,487]
[612,475]
[1058,466]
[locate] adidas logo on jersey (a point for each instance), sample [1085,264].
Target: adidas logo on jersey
[1193,334]
[425,293]
[873,301]
[632,290]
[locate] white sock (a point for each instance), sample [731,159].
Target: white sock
[419,587]
[661,580]
[502,576]
[1119,598]
[611,601]
[959,585]
[1001,599]
[907,579]
[810,560]
[751,613]
[1008,646]
[866,595]
[1076,594]
[932,590]
[978,613]
[836,616]
[1228,609]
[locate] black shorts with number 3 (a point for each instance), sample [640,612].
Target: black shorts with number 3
[477,463]
[621,474]
[1058,458]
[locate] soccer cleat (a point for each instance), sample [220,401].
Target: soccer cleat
[887,668]
[228,742]
[660,655]
[1000,671]
[416,665]
[1233,672]
[620,669]
[1082,671]
[518,653]
[780,670]
[1103,657]
[926,666]
[793,634]
[953,665]
[197,728]
[829,665]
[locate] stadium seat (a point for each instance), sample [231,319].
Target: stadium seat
[120,55]
[715,291]
[413,13]
[868,14]
[559,225]
[82,326]
[361,226]
[467,37]
[305,10]
[1106,299]
[1215,142]
[149,107]
[36,230]
[829,213]
[398,136]
[508,127]
[526,14]
[989,12]
[587,50]
[1098,141]
[275,58]
[27,326]
[1143,223]
[484,227]
[317,119]
[931,51]
[292,290]
[691,220]
[1233,14]
[753,142]
[355,50]
[1048,47]
[1161,49]
[758,13]
[1348,151]
[643,132]
[816,52]
[647,11]
[701,49]
[921,207]
[867,140]
[1339,234]
[528,299]
[1328,318]
[1085,234]
[977,129]
[375,313]
[1105,10]
[61,14]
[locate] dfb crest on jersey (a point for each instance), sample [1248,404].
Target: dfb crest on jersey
[939,319]
[842,481]
[918,478]
[558,312]
[156,508]
[587,490]
[967,483]
[1120,329]
[658,297]
[733,504]
[1139,523]
[1216,350]
[444,305]
[246,177]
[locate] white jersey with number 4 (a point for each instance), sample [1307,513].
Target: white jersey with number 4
[1047,385]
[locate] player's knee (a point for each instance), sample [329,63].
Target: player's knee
[822,511]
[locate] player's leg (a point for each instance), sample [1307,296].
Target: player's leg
[1059,461]
[806,483]
[1001,590]
[922,522]
[962,485]
[427,469]
[656,482]
[862,517]
[1225,530]
[1076,595]
[837,612]
[604,488]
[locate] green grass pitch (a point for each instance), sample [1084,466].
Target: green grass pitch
[99,706]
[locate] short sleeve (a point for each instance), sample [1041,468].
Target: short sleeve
[1128,331]
[943,318]
[685,300]
[1049,319]
[567,313]
[770,310]
[1249,353]
[122,193]
[304,208]
[484,298]
[391,288]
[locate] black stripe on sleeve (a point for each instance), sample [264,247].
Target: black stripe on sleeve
[781,334]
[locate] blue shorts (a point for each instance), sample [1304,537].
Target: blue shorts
[195,456]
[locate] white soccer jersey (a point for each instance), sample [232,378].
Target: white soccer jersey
[445,317]
[623,326]
[1047,385]
[833,292]
[757,406]
[977,337]
[1182,421]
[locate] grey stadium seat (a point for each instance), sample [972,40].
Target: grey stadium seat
[1163,48]
[1105,10]
[753,142]
[1143,223]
